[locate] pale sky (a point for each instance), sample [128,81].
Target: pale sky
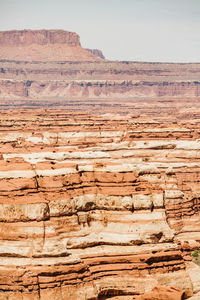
[138,30]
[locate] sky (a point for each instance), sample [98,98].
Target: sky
[136,30]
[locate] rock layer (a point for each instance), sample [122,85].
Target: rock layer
[52,64]
[17,38]
[96,90]
[99,197]
[97,80]
[94,207]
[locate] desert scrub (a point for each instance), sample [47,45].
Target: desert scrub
[195,253]
[145,159]
[196,257]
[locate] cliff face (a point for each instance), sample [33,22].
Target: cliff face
[52,63]
[18,38]
[97,89]
[94,207]
[99,191]
[93,80]
[42,45]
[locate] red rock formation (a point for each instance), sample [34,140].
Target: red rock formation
[18,38]
[96,89]
[162,293]
[92,207]
[99,197]
[42,45]
[96,80]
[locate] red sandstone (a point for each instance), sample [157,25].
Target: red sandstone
[99,186]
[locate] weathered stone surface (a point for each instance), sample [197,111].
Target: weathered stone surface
[99,197]
[162,293]
[98,206]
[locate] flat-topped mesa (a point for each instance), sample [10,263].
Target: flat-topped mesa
[43,45]
[17,38]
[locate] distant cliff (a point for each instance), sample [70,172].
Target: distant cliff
[43,45]
[96,52]
[17,38]
[97,79]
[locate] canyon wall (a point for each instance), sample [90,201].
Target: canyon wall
[94,80]
[94,207]
[51,63]
[99,173]
[97,89]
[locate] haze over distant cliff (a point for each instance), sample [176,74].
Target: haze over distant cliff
[44,45]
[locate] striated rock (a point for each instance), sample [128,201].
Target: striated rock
[51,64]
[99,196]
[94,90]
[95,80]
[98,206]
[17,38]
[162,293]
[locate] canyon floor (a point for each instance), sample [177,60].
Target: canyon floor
[99,175]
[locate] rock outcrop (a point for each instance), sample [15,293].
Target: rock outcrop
[96,52]
[43,45]
[94,80]
[99,173]
[19,38]
[94,207]
[162,293]
[51,63]
[97,89]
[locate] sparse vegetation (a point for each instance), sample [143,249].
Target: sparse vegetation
[195,253]
[196,257]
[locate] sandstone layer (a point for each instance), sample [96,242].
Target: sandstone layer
[97,80]
[99,173]
[98,207]
[50,64]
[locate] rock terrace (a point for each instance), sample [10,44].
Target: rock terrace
[93,207]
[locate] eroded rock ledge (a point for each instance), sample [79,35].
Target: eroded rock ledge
[94,207]
[96,79]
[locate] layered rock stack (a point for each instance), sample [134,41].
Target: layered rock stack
[95,79]
[100,182]
[93,207]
